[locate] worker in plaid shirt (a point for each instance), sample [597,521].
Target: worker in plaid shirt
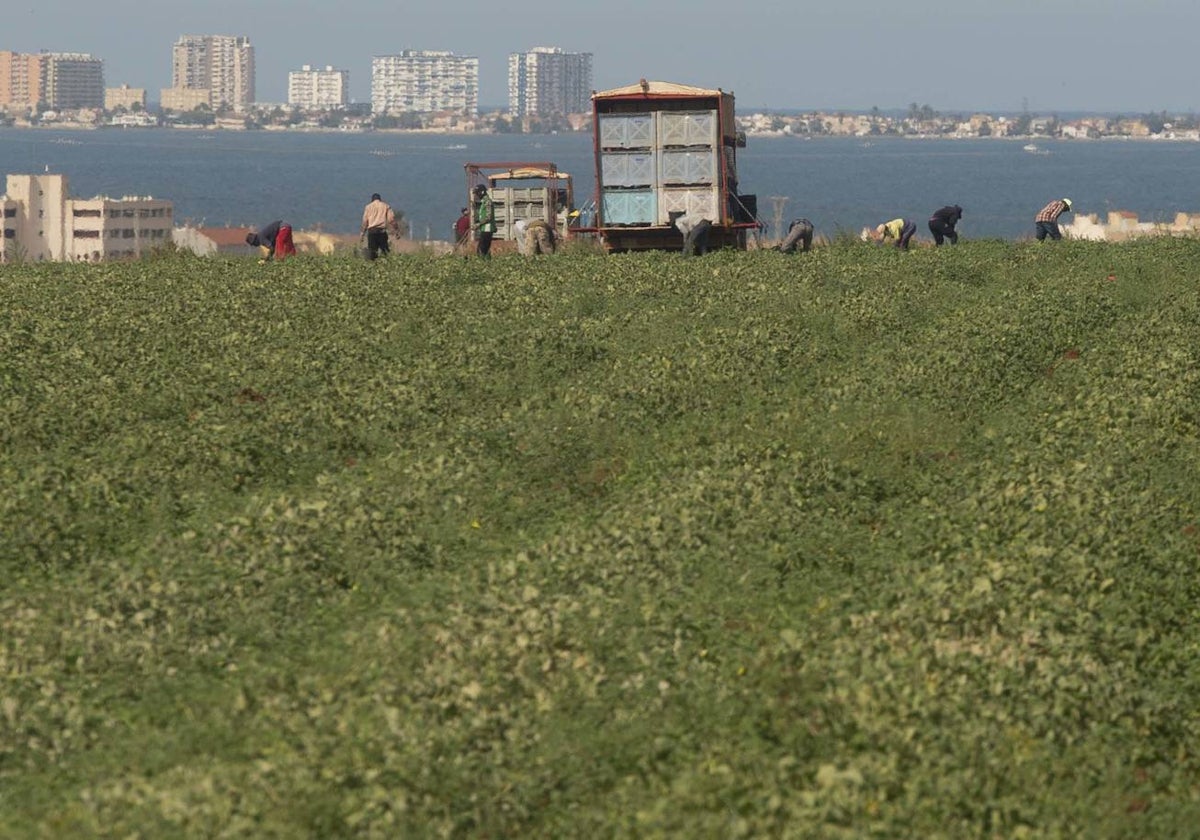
[1047,219]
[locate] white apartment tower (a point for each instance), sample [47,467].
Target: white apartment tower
[312,89]
[424,81]
[221,64]
[547,81]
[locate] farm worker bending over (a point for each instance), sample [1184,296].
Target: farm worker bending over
[276,238]
[942,222]
[900,230]
[462,228]
[519,229]
[485,220]
[800,232]
[1047,220]
[539,237]
[533,237]
[377,219]
[695,230]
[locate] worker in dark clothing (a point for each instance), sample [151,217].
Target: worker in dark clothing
[276,237]
[800,232]
[942,222]
[1047,219]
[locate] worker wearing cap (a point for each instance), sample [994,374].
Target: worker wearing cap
[485,220]
[1047,219]
[942,222]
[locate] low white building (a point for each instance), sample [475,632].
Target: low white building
[42,222]
[139,119]
[1122,225]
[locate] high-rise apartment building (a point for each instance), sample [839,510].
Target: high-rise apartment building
[53,80]
[73,80]
[20,80]
[547,81]
[312,89]
[223,65]
[424,81]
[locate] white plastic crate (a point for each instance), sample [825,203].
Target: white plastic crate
[628,169]
[699,200]
[627,131]
[687,167]
[687,128]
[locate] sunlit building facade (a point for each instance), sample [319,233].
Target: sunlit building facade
[223,65]
[50,80]
[424,81]
[42,222]
[316,89]
[547,81]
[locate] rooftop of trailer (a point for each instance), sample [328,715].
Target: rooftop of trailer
[663,96]
[658,89]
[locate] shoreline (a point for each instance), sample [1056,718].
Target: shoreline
[773,135]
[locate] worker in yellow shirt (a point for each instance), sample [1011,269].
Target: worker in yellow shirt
[900,231]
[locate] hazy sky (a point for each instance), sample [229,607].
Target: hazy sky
[956,55]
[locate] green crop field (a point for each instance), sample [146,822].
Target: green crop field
[857,543]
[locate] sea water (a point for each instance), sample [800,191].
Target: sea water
[324,179]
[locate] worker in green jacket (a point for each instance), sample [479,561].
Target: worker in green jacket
[485,221]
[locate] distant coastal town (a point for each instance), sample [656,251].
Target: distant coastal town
[920,122]
[214,85]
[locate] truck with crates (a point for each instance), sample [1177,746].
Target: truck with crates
[662,150]
[524,190]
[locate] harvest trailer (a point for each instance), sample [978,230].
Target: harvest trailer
[521,190]
[664,149]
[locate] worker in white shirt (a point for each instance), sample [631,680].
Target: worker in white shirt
[519,228]
[695,229]
[377,220]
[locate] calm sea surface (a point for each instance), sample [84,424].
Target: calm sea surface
[249,178]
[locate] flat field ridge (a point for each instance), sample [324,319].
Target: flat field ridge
[857,543]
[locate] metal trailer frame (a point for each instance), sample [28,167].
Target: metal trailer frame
[492,174]
[736,218]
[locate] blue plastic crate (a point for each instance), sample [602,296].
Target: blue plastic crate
[629,207]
